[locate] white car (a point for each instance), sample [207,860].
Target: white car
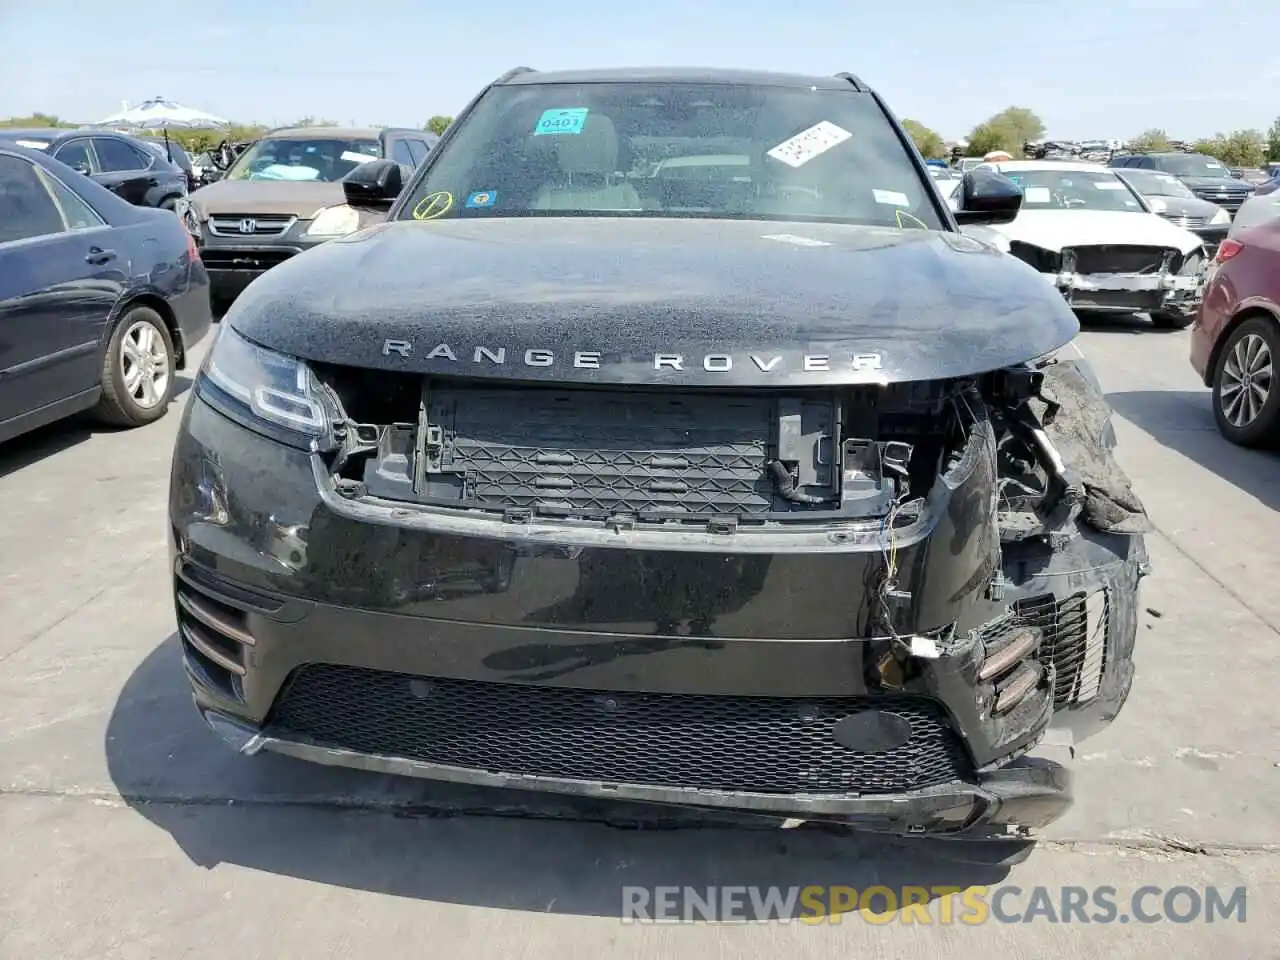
[1099,243]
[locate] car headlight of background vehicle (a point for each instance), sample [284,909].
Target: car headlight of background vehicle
[1220,217]
[263,390]
[333,222]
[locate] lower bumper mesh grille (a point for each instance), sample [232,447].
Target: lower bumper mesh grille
[756,744]
[1075,641]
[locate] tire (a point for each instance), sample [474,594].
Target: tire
[139,337]
[1251,348]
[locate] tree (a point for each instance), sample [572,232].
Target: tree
[35,120]
[1241,148]
[438,124]
[1008,130]
[1273,142]
[984,138]
[928,142]
[1154,140]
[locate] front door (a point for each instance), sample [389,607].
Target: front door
[60,278]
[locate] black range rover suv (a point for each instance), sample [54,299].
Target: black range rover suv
[670,442]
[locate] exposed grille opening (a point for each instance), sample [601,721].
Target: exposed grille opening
[1116,258]
[1046,261]
[758,744]
[1074,633]
[642,455]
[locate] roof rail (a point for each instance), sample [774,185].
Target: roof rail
[514,72]
[857,84]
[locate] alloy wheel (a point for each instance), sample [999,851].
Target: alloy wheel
[1247,377]
[144,364]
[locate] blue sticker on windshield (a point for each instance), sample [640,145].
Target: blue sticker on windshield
[482,198]
[571,120]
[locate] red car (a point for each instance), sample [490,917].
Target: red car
[1235,341]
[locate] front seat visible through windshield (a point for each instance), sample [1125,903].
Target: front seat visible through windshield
[588,167]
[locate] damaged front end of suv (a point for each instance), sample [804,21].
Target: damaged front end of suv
[811,518]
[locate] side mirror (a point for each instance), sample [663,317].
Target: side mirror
[209,175]
[987,197]
[374,184]
[81,167]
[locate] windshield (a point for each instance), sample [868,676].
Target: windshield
[1074,190]
[1194,165]
[292,158]
[676,150]
[1153,184]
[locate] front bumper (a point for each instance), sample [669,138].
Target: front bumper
[234,263]
[714,680]
[1129,292]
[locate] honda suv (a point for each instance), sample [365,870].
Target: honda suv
[283,195]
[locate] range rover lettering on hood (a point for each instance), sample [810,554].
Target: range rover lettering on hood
[866,363]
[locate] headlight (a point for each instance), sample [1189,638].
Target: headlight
[334,222]
[263,390]
[1221,217]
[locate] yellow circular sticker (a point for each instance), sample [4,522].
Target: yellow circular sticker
[433,205]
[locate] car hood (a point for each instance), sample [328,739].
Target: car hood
[299,199]
[1185,206]
[613,300]
[1220,184]
[1055,229]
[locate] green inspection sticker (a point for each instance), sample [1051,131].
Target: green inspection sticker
[570,120]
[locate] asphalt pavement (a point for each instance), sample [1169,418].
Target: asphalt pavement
[128,831]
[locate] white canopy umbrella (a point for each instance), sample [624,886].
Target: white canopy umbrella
[160,114]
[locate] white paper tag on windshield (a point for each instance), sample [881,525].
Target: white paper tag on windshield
[1108,185]
[1037,195]
[807,144]
[354,157]
[891,197]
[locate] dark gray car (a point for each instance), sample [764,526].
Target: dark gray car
[1173,200]
[1208,179]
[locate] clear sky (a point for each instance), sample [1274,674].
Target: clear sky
[1089,68]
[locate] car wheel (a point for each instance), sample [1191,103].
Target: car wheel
[137,370]
[1246,400]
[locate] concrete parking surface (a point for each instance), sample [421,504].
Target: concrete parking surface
[128,831]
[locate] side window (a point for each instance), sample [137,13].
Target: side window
[116,156]
[1149,163]
[77,214]
[26,208]
[400,153]
[419,150]
[75,154]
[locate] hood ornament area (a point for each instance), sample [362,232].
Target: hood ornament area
[665,361]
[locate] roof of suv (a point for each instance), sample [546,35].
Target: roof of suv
[678,75]
[338,133]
